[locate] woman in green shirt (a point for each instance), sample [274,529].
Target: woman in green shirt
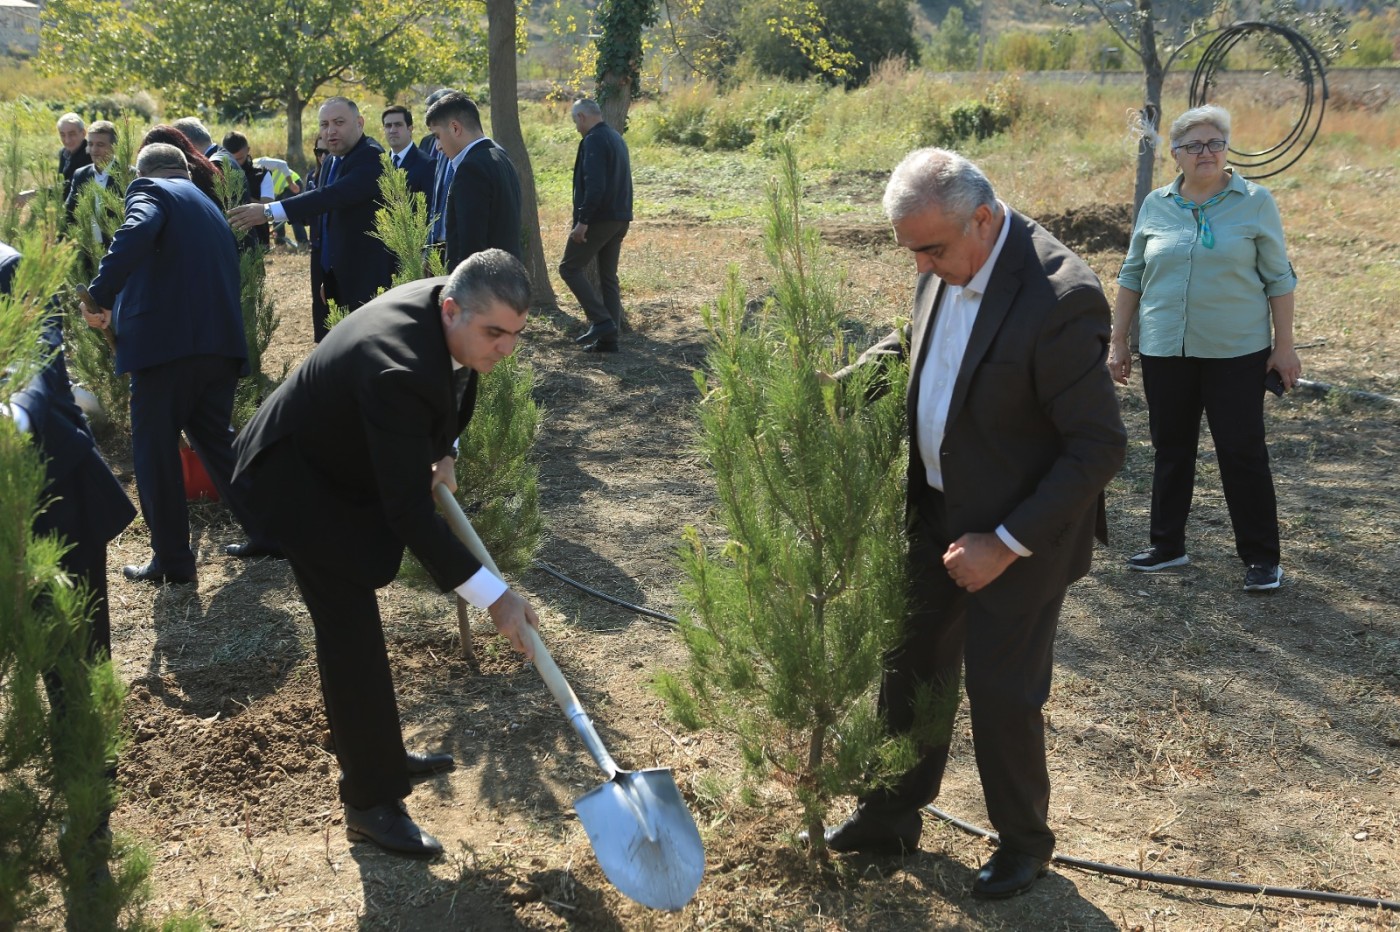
[1209,281]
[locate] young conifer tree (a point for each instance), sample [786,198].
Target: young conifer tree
[497,482]
[792,610]
[90,358]
[54,754]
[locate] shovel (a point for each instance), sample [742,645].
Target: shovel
[642,833]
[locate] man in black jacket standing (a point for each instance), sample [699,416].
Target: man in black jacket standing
[481,209]
[602,213]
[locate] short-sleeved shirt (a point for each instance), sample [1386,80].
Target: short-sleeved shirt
[1209,303]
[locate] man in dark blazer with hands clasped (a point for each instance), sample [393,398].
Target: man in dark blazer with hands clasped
[342,459]
[1014,432]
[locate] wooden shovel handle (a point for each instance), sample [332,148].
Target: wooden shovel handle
[549,670]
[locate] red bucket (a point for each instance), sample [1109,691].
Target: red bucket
[198,485]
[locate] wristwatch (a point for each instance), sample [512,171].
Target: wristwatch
[267,211]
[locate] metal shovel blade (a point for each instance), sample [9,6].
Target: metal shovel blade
[644,837]
[638,824]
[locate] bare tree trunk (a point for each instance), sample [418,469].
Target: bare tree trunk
[505,129]
[1152,108]
[615,97]
[295,157]
[1151,119]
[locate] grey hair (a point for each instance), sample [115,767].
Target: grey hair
[70,119]
[587,105]
[937,178]
[489,275]
[1205,115]
[159,156]
[195,132]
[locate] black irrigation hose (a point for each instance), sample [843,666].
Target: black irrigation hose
[1310,73]
[1203,883]
[650,613]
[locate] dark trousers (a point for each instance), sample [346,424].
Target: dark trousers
[1231,393]
[356,684]
[319,309]
[604,241]
[193,394]
[1008,662]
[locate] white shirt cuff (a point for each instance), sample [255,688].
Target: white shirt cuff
[279,213]
[1016,546]
[483,589]
[17,414]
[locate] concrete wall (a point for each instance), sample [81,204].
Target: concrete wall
[19,30]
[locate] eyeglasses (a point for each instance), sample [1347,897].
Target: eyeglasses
[1195,148]
[321,151]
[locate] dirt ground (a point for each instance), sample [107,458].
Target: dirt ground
[1193,729]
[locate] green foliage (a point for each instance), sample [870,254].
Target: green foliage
[402,223]
[91,361]
[620,25]
[1033,51]
[54,793]
[1372,41]
[839,41]
[762,113]
[115,106]
[260,322]
[791,615]
[954,46]
[284,55]
[497,482]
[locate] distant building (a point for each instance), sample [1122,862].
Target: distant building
[19,27]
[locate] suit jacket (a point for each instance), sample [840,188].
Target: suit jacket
[81,178]
[87,503]
[360,263]
[367,414]
[1033,432]
[70,162]
[483,204]
[171,278]
[419,168]
[602,177]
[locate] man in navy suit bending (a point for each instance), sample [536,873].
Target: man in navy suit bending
[167,291]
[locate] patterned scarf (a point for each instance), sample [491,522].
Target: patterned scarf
[1203,230]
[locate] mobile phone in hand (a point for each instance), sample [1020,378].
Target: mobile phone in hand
[1273,382]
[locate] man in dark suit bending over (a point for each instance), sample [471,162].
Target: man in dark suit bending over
[1014,432]
[343,457]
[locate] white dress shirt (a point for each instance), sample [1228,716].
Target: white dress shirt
[952,328]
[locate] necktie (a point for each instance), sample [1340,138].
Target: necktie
[440,221]
[331,167]
[1203,229]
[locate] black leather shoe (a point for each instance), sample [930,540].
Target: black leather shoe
[148,573]
[1007,873]
[601,346]
[864,833]
[251,549]
[389,827]
[425,765]
[597,332]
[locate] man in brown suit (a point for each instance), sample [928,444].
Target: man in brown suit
[1014,432]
